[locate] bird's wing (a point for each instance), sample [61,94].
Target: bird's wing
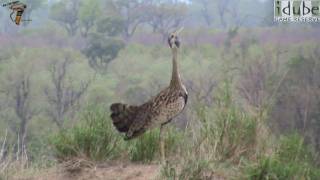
[148,114]
[158,111]
[141,122]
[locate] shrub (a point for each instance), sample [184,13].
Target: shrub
[93,138]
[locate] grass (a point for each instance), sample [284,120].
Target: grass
[226,132]
[190,169]
[292,160]
[13,164]
[223,133]
[93,138]
[146,148]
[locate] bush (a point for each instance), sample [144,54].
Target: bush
[292,160]
[93,138]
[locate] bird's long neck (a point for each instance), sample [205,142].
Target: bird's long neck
[175,78]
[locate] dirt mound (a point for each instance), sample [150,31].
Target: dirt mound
[117,171]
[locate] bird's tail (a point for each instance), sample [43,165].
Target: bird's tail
[122,116]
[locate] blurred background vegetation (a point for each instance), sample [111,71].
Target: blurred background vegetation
[254,86]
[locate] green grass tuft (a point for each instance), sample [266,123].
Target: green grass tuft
[93,138]
[145,147]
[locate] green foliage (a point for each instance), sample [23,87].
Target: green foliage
[103,46]
[146,148]
[94,138]
[166,16]
[234,130]
[102,50]
[66,13]
[194,169]
[89,12]
[221,128]
[227,132]
[168,171]
[191,168]
[112,26]
[292,148]
[39,151]
[293,160]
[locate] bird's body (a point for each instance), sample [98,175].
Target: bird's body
[159,110]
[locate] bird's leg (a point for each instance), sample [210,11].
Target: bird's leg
[162,147]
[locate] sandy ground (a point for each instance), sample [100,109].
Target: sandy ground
[100,172]
[81,169]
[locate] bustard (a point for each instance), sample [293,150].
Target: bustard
[159,110]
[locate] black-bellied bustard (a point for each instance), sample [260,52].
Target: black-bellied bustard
[159,110]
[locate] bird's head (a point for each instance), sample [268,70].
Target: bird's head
[173,39]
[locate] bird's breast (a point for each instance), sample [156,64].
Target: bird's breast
[169,111]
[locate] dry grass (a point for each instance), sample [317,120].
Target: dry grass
[12,162]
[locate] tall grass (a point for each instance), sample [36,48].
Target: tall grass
[93,138]
[13,159]
[226,132]
[146,148]
[221,133]
[291,160]
[189,169]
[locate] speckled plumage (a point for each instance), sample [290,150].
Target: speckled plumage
[159,110]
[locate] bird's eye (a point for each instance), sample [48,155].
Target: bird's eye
[171,36]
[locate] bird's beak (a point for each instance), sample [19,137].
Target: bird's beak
[179,31]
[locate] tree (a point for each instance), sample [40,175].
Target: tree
[102,50]
[104,46]
[211,8]
[66,14]
[110,26]
[89,12]
[230,13]
[64,94]
[223,6]
[297,103]
[166,17]
[206,10]
[132,12]
[17,85]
